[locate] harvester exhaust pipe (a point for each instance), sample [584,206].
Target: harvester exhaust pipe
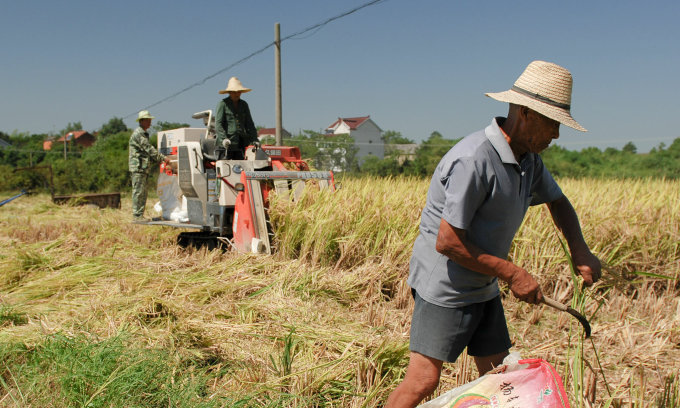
[564,308]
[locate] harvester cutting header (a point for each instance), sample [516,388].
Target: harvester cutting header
[227,200]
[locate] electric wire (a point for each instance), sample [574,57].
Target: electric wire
[316,27]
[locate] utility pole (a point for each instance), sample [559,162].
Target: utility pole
[277,64]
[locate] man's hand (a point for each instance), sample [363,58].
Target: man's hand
[525,287]
[588,266]
[166,159]
[453,243]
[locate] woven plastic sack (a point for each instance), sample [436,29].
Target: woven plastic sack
[529,383]
[170,196]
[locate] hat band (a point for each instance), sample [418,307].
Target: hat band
[541,98]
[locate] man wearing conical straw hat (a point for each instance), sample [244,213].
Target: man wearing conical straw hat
[141,156]
[478,196]
[233,123]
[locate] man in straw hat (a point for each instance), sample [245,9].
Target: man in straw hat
[233,122]
[478,196]
[141,155]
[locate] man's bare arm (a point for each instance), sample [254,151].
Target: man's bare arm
[452,242]
[566,220]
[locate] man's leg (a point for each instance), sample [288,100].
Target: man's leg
[438,334]
[138,194]
[488,363]
[421,380]
[490,345]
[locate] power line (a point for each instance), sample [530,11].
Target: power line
[202,81]
[319,25]
[316,27]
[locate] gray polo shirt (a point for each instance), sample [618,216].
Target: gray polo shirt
[478,186]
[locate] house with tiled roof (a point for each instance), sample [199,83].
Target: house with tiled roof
[364,131]
[77,137]
[270,133]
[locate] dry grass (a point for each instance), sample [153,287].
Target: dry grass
[325,322]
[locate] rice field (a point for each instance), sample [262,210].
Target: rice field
[96,311]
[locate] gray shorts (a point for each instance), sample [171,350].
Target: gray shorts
[443,332]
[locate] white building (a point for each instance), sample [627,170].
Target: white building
[270,134]
[364,131]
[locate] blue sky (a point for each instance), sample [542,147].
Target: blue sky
[413,66]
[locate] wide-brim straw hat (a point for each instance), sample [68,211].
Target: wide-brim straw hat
[144,115]
[546,88]
[234,85]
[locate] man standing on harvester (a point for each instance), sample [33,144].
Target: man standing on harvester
[141,156]
[478,196]
[233,123]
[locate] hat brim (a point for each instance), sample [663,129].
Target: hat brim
[561,115]
[244,90]
[148,117]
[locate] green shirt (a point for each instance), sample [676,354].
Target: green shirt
[234,123]
[141,152]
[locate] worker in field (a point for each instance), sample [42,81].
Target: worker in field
[233,123]
[477,199]
[141,156]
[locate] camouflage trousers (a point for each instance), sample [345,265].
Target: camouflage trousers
[139,193]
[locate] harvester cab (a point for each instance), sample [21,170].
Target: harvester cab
[227,201]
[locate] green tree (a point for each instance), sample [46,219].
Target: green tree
[71,127]
[268,140]
[394,137]
[661,161]
[329,152]
[391,138]
[430,152]
[611,152]
[107,164]
[25,149]
[386,167]
[308,148]
[629,148]
[561,162]
[113,126]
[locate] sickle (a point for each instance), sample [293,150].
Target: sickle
[559,306]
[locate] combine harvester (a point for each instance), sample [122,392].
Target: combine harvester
[227,200]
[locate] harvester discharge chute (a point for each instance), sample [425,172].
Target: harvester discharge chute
[227,200]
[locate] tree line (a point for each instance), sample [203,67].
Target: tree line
[661,162]
[103,167]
